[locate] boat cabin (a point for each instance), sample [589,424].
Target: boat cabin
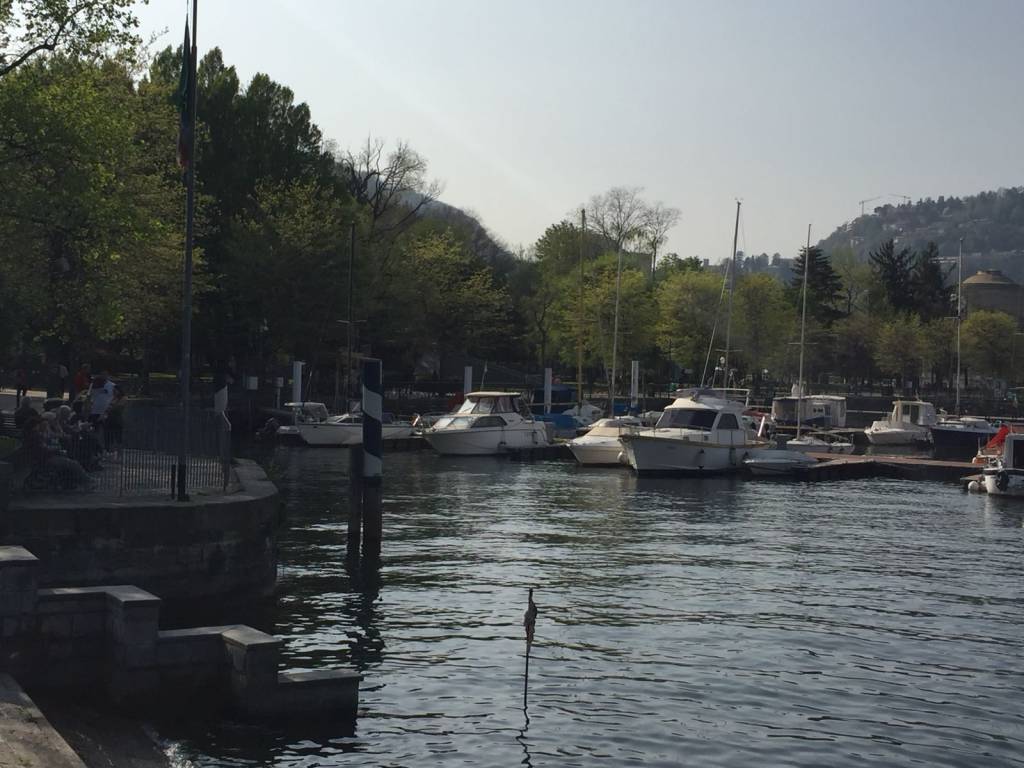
[308,412]
[702,410]
[1013,452]
[913,412]
[825,411]
[614,427]
[486,409]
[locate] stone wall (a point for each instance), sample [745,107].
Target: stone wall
[107,639]
[212,546]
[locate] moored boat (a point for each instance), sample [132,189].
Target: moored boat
[1004,475]
[777,462]
[601,446]
[820,442]
[701,433]
[909,423]
[962,435]
[347,429]
[486,424]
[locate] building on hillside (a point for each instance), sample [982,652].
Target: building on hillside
[991,289]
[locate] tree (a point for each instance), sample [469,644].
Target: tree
[764,323]
[619,215]
[392,185]
[657,221]
[824,288]
[928,283]
[893,268]
[688,304]
[987,343]
[89,233]
[855,276]
[854,340]
[76,28]
[899,348]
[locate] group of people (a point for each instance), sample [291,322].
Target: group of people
[68,442]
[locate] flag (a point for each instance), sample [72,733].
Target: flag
[185,101]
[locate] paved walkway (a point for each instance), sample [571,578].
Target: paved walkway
[27,740]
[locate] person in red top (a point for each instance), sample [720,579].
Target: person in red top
[83,377]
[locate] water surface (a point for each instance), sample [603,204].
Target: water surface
[682,622]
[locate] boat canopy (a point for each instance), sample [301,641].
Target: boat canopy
[914,412]
[485,403]
[1013,451]
[309,411]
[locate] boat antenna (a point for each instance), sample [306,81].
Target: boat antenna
[732,286]
[803,327]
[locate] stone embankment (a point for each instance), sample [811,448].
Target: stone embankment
[218,545]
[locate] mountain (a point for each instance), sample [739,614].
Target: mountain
[991,223]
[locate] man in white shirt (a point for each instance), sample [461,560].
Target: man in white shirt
[101,392]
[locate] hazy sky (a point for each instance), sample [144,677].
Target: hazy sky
[525,109]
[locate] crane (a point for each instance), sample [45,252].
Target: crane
[904,198]
[869,200]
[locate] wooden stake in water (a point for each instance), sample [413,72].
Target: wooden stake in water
[529,622]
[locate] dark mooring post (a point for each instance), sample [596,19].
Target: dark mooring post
[355,498]
[373,455]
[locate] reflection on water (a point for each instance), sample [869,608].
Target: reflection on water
[698,622]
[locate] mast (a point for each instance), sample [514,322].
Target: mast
[959,313]
[803,327]
[186,293]
[615,333]
[579,319]
[732,285]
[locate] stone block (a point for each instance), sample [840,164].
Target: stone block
[253,658]
[57,626]
[88,624]
[328,693]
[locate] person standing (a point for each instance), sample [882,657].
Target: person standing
[20,384]
[62,380]
[81,381]
[101,393]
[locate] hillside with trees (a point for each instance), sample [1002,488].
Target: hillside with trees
[991,224]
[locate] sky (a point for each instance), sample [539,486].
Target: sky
[526,109]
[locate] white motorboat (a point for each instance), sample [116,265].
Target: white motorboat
[700,433]
[600,446]
[909,423]
[777,462]
[820,442]
[487,423]
[347,429]
[1004,476]
[306,412]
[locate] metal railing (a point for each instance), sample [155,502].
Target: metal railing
[140,457]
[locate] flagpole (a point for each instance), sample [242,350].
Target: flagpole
[186,297]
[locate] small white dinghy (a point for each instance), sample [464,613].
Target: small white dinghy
[1004,476]
[600,446]
[777,462]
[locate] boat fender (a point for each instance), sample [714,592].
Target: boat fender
[732,457]
[700,459]
[974,486]
[622,457]
[1002,480]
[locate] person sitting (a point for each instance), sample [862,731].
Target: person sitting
[68,472]
[24,412]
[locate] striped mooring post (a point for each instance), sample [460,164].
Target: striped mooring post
[373,455]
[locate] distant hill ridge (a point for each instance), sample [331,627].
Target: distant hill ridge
[991,223]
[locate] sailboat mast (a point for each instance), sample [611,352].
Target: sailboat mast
[732,285]
[579,319]
[959,312]
[803,328]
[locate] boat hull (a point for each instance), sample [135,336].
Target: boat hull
[959,441]
[347,434]
[890,436]
[668,455]
[595,453]
[1004,482]
[486,441]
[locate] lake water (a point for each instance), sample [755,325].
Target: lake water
[682,622]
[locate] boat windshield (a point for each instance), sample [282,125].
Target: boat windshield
[687,418]
[486,405]
[453,422]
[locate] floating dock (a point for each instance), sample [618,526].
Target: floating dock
[831,467]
